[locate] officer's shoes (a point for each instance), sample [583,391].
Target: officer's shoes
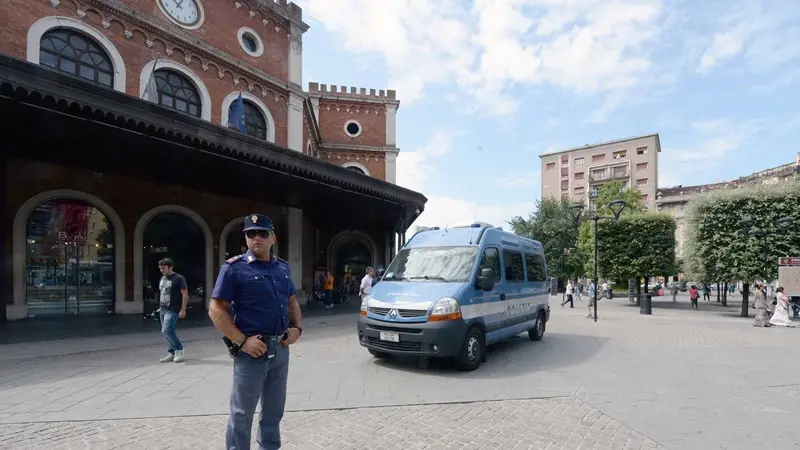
[169,358]
[179,356]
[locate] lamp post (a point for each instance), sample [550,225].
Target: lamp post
[576,211]
[746,225]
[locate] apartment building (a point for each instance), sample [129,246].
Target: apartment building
[577,173]
[673,200]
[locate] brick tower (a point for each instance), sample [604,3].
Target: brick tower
[357,128]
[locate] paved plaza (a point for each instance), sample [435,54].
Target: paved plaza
[677,380]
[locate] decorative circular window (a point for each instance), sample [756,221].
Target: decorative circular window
[185,13]
[352,128]
[250,41]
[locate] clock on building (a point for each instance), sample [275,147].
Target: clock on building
[186,13]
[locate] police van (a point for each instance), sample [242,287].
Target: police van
[451,292]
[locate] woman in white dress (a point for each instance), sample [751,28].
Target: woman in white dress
[781,316]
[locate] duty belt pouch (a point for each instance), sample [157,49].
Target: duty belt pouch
[272,345]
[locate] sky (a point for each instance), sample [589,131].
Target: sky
[487,85]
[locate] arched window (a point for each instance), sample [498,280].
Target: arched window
[178,92]
[356,169]
[74,53]
[254,121]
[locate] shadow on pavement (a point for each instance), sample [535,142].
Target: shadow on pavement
[518,356]
[42,329]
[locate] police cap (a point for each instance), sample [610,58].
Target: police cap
[257,222]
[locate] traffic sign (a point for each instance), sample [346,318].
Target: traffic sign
[789,261]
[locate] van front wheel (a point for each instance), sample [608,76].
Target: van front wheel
[471,354]
[537,332]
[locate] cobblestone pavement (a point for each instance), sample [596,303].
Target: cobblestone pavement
[562,423]
[687,380]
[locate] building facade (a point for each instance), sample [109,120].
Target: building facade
[577,173]
[117,151]
[674,200]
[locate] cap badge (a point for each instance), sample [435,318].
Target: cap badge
[254,218]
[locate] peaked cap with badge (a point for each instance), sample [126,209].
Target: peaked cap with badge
[257,222]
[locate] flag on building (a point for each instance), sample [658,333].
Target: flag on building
[236,115]
[151,90]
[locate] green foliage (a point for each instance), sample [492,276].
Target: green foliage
[718,249]
[615,190]
[552,225]
[639,244]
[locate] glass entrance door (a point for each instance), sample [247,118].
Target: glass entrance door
[70,260]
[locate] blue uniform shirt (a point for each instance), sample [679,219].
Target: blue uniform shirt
[259,292]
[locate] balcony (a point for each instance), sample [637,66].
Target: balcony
[605,176]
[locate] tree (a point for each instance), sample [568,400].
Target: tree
[718,249]
[551,224]
[638,245]
[607,193]
[615,190]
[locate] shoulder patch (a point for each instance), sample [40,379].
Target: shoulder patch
[234,259]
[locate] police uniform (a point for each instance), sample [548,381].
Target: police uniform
[259,293]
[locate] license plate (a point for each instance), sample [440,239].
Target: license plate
[389,336]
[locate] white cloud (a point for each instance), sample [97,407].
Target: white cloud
[716,140]
[764,34]
[414,169]
[520,180]
[584,46]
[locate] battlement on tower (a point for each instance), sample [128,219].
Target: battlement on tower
[351,93]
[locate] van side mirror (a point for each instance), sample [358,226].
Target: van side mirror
[485,281]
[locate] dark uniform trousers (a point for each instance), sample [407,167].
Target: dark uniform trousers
[257,379]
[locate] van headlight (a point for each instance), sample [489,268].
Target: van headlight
[365,304]
[445,309]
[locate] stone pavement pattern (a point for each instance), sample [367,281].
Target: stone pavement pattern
[687,380]
[561,423]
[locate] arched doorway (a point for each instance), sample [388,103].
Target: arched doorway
[349,255]
[176,236]
[352,260]
[69,259]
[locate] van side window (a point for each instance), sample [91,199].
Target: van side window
[535,266]
[491,260]
[515,271]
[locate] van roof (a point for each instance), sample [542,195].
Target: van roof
[470,236]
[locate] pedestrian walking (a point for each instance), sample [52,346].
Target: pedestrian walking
[763,308]
[173,298]
[266,321]
[591,292]
[366,283]
[694,294]
[570,290]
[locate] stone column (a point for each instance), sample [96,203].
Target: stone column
[295,122]
[295,55]
[294,250]
[391,167]
[391,125]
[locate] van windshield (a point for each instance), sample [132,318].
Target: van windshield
[448,264]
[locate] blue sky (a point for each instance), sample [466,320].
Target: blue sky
[487,85]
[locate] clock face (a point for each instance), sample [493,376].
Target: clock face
[185,12]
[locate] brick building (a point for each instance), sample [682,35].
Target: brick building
[117,151]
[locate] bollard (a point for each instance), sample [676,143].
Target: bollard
[646,304]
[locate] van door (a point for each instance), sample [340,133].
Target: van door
[485,304]
[514,296]
[537,283]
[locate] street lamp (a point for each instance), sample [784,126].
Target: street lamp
[746,225]
[576,211]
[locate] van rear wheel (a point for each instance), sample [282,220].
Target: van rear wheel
[472,350]
[537,332]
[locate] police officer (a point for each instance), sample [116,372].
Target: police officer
[266,322]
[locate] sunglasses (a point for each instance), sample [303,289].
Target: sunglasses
[251,234]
